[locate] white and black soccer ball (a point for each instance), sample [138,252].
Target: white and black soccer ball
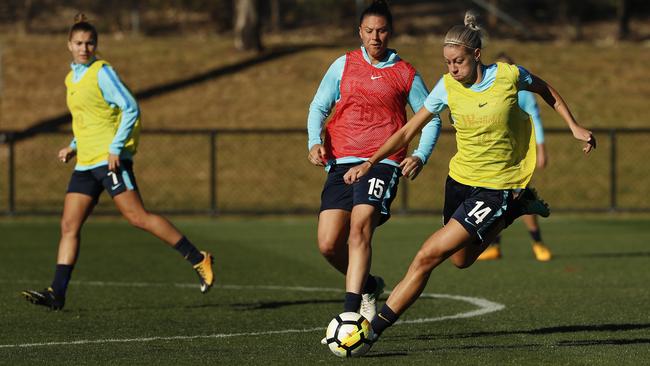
[349,334]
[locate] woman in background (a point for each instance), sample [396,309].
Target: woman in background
[106,126]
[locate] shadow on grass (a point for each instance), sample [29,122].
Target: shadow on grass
[264,305]
[613,342]
[542,331]
[575,343]
[52,124]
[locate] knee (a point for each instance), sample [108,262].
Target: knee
[428,258]
[358,239]
[70,227]
[424,261]
[327,247]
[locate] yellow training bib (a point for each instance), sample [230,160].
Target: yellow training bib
[494,137]
[94,122]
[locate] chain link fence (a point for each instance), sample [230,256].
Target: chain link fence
[215,172]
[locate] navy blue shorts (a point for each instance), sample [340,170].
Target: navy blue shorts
[377,188]
[476,208]
[92,182]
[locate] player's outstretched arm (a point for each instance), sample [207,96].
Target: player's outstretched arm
[398,140]
[554,99]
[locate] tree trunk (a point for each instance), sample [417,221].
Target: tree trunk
[24,26]
[276,17]
[492,19]
[247,26]
[623,17]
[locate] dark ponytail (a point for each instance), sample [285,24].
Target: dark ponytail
[378,8]
[81,24]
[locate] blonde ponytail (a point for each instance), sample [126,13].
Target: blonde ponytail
[469,35]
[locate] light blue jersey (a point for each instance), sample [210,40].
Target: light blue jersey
[528,104]
[437,100]
[116,94]
[329,93]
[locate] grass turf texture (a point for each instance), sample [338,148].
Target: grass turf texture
[588,306]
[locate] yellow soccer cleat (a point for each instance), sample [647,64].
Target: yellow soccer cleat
[204,270]
[491,253]
[542,252]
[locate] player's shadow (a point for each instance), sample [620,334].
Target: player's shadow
[608,341]
[539,331]
[533,346]
[266,305]
[53,123]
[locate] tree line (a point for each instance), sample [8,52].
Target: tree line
[248,19]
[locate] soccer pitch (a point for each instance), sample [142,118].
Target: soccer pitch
[134,301]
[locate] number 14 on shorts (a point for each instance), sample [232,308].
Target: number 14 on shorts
[478,212]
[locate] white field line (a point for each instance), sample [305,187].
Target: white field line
[484,307]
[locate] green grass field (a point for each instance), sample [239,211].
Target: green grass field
[133,301]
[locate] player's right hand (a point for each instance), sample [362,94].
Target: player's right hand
[316,155]
[66,154]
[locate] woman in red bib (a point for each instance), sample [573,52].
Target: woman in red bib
[369,89]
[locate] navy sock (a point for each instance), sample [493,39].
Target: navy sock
[371,285]
[188,251]
[384,319]
[536,235]
[61,279]
[352,302]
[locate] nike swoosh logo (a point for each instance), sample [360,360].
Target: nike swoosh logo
[469,222]
[481,105]
[376,77]
[373,199]
[115,187]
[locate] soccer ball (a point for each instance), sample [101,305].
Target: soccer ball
[349,335]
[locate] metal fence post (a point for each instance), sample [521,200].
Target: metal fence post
[612,171]
[213,172]
[11,183]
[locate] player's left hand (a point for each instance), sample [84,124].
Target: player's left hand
[411,167]
[585,135]
[113,162]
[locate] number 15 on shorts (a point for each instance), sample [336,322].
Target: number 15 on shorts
[376,187]
[479,213]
